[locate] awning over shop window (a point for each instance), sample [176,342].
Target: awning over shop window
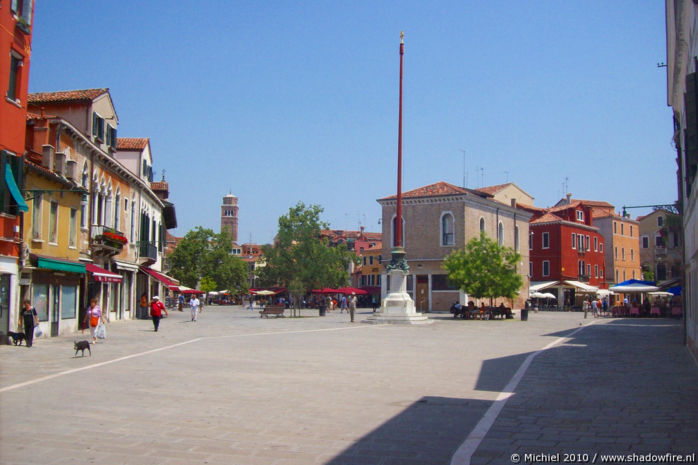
[14,190]
[55,264]
[580,286]
[171,283]
[102,275]
[537,286]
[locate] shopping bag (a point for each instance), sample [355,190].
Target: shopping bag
[37,331]
[101,332]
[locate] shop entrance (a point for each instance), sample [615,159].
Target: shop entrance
[422,300]
[4,305]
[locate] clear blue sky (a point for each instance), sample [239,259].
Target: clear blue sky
[283,101]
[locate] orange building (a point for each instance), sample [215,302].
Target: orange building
[15,53]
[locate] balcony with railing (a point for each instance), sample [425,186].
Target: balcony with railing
[106,241]
[147,252]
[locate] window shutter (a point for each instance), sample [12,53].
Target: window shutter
[27,11]
[94,124]
[691,133]
[162,237]
[14,75]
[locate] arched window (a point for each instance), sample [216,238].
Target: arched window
[107,208]
[447,229]
[133,219]
[95,201]
[117,208]
[482,224]
[500,233]
[85,175]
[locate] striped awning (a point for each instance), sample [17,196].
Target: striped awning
[164,279]
[102,275]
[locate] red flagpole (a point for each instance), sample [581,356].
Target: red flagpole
[398,226]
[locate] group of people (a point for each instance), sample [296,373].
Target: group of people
[470,311]
[597,306]
[344,304]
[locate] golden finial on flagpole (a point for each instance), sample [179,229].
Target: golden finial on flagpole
[402,37]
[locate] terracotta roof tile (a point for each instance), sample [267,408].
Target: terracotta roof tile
[594,203]
[159,185]
[84,95]
[493,189]
[573,204]
[131,143]
[436,190]
[547,218]
[603,214]
[528,207]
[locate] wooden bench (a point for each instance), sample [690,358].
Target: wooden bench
[277,310]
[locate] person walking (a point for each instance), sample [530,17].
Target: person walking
[156,309]
[28,319]
[180,302]
[343,304]
[143,306]
[352,306]
[194,304]
[93,316]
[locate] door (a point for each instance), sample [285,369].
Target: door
[4,306]
[422,294]
[55,309]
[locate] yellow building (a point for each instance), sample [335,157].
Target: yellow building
[370,269]
[50,272]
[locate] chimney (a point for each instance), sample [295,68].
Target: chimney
[70,167]
[47,156]
[59,162]
[513,203]
[569,199]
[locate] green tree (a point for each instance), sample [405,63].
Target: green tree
[205,257]
[484,269]
[207,284]
[302,260]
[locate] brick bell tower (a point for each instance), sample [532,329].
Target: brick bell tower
[229,216]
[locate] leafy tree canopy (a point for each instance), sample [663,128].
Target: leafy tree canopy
[484,269]
[204,258]
[300,258]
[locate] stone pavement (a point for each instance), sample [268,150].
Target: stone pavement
[236,389]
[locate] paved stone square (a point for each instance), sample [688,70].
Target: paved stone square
[236,389]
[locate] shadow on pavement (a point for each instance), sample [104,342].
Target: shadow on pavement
[611,388]
[427,432]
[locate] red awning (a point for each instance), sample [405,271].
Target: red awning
[102,275]
[166,280]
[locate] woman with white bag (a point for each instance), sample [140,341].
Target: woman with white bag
[93,317]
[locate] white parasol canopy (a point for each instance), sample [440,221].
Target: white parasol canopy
[541,295]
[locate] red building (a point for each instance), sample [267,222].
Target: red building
[566,247]
[15,52]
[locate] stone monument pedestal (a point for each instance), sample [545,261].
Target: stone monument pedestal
[398,307]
